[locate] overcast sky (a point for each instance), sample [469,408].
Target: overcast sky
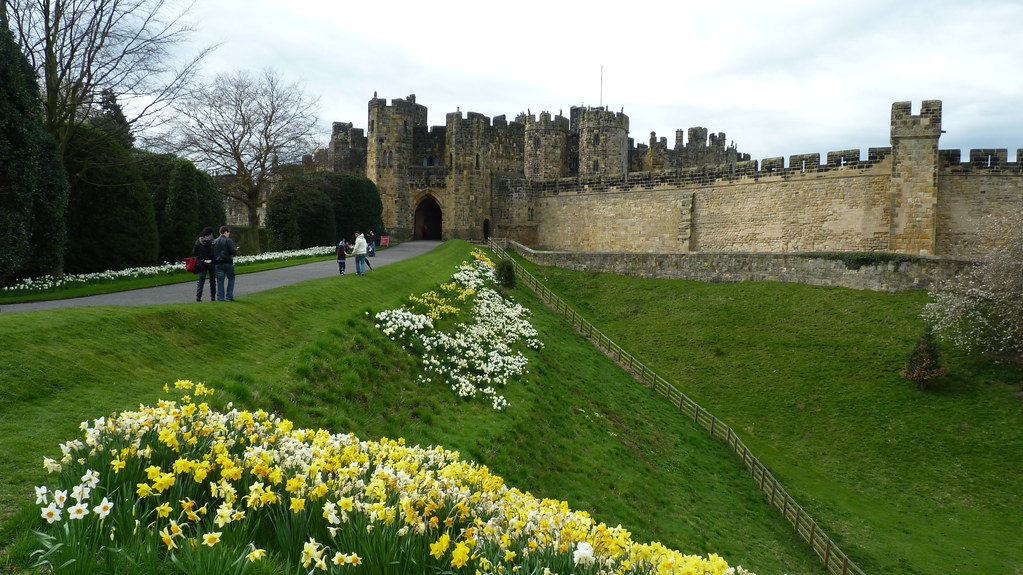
[779,78]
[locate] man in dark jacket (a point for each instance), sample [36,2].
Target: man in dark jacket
[224,250]
[203,252]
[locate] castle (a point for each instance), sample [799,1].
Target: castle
[581,184]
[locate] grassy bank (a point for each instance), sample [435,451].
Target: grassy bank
[905,481]
[578,429]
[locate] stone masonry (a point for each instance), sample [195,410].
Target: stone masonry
[581,184]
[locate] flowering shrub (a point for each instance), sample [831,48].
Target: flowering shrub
[210,491]
[52,282]
[981,308]
[477,358]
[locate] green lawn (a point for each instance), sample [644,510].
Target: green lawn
[905,481]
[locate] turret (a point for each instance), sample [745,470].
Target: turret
[603,143]
[914,187]
[546,147]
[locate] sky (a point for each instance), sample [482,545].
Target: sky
[778,78]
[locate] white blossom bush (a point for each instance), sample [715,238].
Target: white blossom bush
[981,309]
[477,358]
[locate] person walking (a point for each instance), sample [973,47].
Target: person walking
[359,249]
[342,252]
[224,250]
[203,252]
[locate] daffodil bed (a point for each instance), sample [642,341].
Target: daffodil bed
[206,491]
[478,357]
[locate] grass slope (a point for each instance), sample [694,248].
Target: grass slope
[905,481]
[579,429]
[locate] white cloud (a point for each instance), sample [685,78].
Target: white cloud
[780,78]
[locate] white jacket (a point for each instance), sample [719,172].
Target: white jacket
[360,246]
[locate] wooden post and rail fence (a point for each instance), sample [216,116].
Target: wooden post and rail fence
[834,559]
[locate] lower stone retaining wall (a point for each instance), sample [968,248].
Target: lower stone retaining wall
[720,267]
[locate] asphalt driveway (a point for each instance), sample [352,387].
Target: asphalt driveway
[246,283]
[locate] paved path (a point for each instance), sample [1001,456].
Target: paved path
[246,283]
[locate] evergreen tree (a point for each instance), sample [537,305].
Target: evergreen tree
[300,215]
[111,119]
[185,200]
[33,189]
[357,205]
[111,222]
[924,361]
[319,208]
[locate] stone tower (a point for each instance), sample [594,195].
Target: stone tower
[346,151]
[468,145]
[390,153]
[603,143]
[914,186]
[546,147]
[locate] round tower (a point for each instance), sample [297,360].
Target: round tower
[546,147]
[603,143]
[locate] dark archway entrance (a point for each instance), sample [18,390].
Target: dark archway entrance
[486,229]
[428,220]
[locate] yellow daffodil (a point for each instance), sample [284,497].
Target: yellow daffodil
[256,555]
[163,510]
[460,555]
[440,547]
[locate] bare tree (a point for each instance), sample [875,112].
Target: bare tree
[245,127]
[80,48]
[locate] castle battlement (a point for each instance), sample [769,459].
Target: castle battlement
[926,124]
[990,159]
[546,122]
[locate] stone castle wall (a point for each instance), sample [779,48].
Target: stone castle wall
[802,211]
[573,185]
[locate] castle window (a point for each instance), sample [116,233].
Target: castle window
[529,214]
[596,139]
[596,166]
[477,161]
[371,126]
[426,162]
[406,126]
[390,159]
[451,160]
[536,169]
[536,142]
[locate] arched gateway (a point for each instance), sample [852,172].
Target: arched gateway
[428,220]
